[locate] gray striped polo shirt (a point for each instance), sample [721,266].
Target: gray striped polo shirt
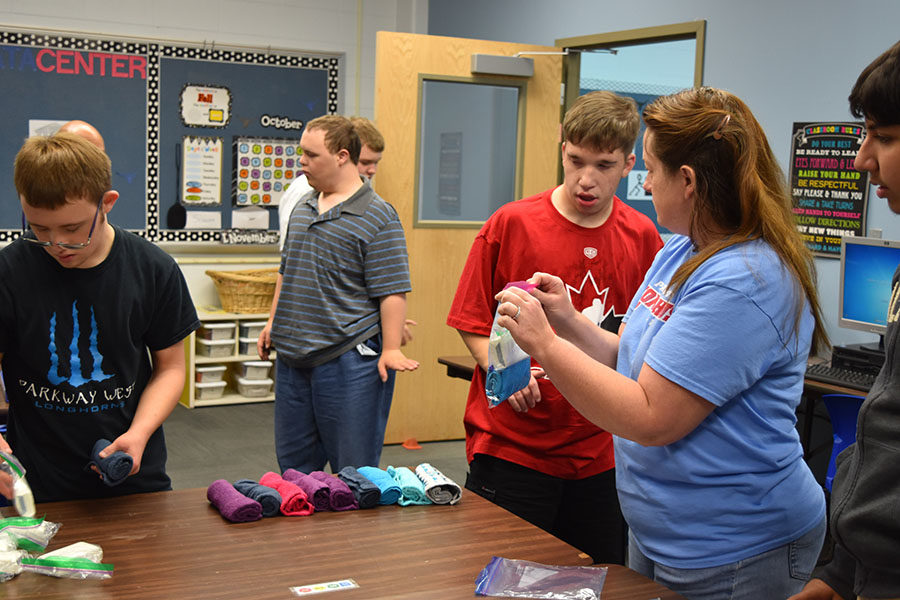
[335,267]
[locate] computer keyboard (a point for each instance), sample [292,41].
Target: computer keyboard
[825,373]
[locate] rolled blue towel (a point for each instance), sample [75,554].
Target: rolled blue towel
[367,493]
[268,497]
[390,491]
[114,469]
[412,490]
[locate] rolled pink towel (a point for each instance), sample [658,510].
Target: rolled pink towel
[232,504]
[342,497]
[294,502]
[317,492]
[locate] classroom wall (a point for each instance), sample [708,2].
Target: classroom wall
[790,61]
[344,26]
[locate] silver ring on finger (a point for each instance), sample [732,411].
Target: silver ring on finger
[518,311]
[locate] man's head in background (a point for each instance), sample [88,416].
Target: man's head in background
[372,146]
[85,130]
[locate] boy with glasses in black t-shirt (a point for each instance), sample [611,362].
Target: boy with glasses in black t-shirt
[84,306]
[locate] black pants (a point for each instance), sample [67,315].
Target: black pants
[584,513]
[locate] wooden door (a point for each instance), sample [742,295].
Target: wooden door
[428,405]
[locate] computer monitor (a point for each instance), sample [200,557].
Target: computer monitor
[867,268]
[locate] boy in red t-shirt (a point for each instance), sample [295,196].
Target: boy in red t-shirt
[548,464]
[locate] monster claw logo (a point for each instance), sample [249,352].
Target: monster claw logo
[76,369]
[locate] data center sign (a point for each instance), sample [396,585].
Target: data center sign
[829,194]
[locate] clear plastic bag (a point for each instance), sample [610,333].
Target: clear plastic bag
[30,533]
[509,367]
[80,560]
[22,499]
[68,568]
[11,563]
[510,578]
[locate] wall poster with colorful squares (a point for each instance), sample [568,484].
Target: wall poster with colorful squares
[263,169]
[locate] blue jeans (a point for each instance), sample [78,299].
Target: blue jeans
[776,573]
[335,413]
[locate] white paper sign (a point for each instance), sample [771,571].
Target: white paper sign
[252,217]
[205,106]
[201,173]
[203,219]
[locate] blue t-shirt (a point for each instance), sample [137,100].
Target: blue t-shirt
[736,485]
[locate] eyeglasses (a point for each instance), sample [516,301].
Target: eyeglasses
[29,236]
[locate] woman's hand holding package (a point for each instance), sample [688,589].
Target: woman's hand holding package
[552,294]
[523,315]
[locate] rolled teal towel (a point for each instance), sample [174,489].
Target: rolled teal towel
[268,497]
[390,491]
[412,490]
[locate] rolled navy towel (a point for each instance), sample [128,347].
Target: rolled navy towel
[268,497]
[412,490]
[232,504]
[114,469]
[367,493]
[294,502]
[317,492]
[341,496]
[390,491]
[439,488]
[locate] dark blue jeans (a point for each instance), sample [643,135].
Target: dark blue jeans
[335,413]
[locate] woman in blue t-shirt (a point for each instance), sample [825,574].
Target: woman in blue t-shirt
[701,385]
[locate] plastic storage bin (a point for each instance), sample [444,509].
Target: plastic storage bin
[253,388]
[251,329]
[247,345]
[216,331]
[215,348]
[209,391]
[209,374]
[255,369]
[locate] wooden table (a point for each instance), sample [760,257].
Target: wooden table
[176,545]
[459,366]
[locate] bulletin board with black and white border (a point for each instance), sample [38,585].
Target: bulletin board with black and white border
[133,90]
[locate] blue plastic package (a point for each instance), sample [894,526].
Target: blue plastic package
[509,578]
[509,367]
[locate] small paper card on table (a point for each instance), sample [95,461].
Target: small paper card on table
[328,586]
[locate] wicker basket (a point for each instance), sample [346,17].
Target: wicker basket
[249,291]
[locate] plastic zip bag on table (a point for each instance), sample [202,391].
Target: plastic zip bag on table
[510,578]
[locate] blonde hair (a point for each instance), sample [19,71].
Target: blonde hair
[602,121]
[368,133]
[50,171]
[741,193]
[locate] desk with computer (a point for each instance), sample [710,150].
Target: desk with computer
[867,270]
[865,288]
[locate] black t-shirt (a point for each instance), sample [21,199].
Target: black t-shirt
[75,346]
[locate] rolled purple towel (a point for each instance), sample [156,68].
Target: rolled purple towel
[317,492]
[342,497]
[232,504]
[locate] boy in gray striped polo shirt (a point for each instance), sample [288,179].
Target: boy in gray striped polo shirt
[338,313]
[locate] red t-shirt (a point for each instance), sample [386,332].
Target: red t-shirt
[602,268]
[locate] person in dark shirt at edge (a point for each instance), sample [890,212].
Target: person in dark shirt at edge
[84,307]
